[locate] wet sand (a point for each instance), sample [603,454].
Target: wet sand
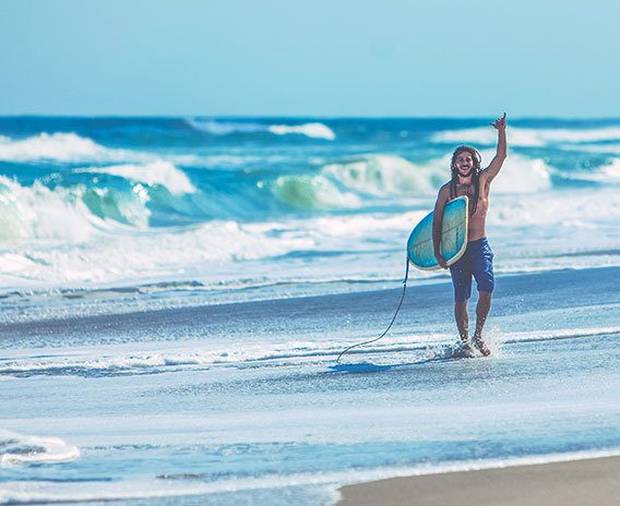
[575,483]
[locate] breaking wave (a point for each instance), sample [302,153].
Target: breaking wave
[346,185]
[582,209]
[160,172]
[520,174]
[313,130]
[38,212]
[605,174]
[529,136]
[64,147]
[73,214]
[387,175]
[313,192]
[115,255]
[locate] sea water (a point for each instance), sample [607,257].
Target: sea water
[174,293]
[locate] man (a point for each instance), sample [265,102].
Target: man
[477,261]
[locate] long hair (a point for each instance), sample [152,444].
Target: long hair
[475,174]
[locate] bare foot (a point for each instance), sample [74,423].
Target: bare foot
[482,346]
[466,350]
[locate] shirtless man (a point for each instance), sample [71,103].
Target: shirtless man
[477,261]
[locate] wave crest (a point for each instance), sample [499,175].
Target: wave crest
[313,192]
[387,174]
[520,174]
[160,172]
[343,185]
[605,174]
[74,214]
[313,130]
[38,212]
[149,255]
[528,137]
[63,147]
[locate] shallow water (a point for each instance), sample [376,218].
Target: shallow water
[175,293]
[244,415]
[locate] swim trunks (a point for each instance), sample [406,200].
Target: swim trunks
[477,261]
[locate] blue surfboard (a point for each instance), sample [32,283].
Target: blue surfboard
[453,236]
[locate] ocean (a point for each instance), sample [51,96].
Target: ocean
[174,293]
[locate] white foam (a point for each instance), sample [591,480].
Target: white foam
[519,174]
[605,174]
[32,492]
[611,149]
[363,225]
[196,354]
[340,185]
[211,252]
[58,146]
[313,192]
[313,130]
[63,147]
[545,335]
[121,255]
[388,174]
[555,208]
[17,449]
[216,127]
[611,172]
[383,175]
[528,136]
[38,212]
[160,172]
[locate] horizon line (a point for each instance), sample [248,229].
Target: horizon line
[301,116]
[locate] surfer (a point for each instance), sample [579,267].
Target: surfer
[477,261]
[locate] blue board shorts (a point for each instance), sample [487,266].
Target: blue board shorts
[477,261]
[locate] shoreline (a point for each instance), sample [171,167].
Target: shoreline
[426,308]
[567,483]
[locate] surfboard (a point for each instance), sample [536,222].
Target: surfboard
[453,236]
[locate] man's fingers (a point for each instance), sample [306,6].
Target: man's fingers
[499,121]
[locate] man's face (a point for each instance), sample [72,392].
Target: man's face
[464,163]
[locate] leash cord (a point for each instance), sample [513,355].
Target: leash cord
[402,298]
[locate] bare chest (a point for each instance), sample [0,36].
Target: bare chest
[482,204]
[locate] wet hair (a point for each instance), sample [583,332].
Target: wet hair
[475,173]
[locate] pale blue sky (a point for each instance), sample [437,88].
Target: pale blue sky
[313,58]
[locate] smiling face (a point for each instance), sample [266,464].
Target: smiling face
[464,163]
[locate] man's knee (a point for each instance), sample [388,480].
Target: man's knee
[460,309]
[484,296]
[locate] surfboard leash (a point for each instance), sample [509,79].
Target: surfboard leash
[402,298]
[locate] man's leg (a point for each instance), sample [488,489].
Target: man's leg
[482,311]
[462,319]
[461,279]
[485,279]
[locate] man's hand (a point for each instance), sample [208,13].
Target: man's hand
[500,123]
[487,175]
[441,261]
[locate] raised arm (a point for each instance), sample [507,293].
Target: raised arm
[496,164]
[442,199]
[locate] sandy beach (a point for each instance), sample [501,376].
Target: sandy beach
[575,483]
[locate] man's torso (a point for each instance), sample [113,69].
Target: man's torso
[477,220]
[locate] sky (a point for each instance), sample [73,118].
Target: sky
[324,58]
